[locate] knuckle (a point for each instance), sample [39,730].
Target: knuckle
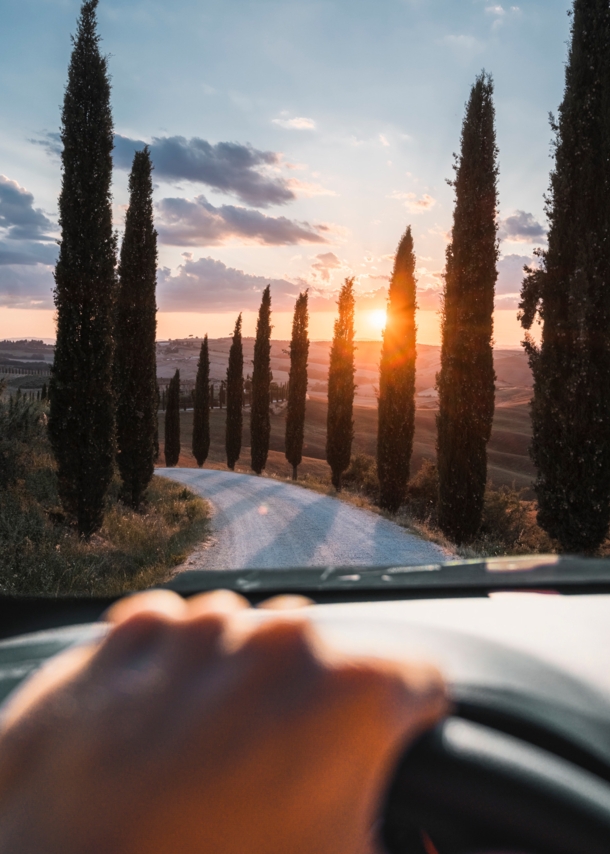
[285,639]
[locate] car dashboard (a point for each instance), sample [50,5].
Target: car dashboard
[521,765]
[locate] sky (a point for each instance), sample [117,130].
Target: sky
[293,142]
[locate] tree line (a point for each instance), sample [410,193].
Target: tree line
[103,393]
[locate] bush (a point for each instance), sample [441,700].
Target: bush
[41,554]
[22,437]
[361,476]
[422,493]
[504,518]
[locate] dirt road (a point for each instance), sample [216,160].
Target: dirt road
[261,523]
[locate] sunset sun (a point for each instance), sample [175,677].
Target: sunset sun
[378,319]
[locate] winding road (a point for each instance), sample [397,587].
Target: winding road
[262,523]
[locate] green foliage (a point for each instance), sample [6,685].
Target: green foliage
[22,434]
[341,387]
[81,421]
[234,395]
[397,381]
[172,422]
[41,552]
[136,325]
[466,379]
[297,384]
[361,476]
[201,409]
[570,294]
[422,493]
[260,425]
[504,518]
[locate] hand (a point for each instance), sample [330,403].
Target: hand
[196,726]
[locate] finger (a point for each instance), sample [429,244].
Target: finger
[216,602]
[285,603]
[55,673]
[164,603]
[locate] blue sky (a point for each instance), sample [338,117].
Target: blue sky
[294,141]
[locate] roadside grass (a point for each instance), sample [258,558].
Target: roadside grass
[41,552]
[509,520]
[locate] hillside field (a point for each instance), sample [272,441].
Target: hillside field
[509,463]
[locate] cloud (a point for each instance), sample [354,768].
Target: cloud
[508,302]
[27,253]
[209,285]
[18,216]
[384,140]
[324,263]
[521,227]
[304,188]
[375,299]
[185,222]
[412,203]
[510,273]
[299,123]
[51,142]
[26,286]
[226,166]
[429,299]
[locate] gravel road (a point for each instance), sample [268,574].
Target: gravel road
[261,523]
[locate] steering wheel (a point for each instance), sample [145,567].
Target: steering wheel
[468,787]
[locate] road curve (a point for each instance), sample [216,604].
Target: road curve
[261,523]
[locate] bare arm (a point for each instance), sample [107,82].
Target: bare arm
[191,728]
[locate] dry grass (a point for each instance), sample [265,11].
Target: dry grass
[42,554]
[132,551]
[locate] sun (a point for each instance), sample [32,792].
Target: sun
[378,318]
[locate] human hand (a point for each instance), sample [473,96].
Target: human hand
[197,726]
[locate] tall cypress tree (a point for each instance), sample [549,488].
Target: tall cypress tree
[235,394]
[81,419]
[570,293]
[341,387]
[136,326]
[260,424]
[156,436]
[396,407]
[466,382]
[297,384]
[172,422]
[201,410]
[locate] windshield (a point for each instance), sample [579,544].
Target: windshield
[256,314]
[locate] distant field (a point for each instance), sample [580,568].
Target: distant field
[509,462]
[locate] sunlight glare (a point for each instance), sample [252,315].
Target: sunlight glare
[378,319]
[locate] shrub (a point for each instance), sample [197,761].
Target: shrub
[504,518]
[41,554]
[422,493]
[361,475]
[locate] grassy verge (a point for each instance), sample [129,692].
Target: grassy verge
[509,519]
[42,554]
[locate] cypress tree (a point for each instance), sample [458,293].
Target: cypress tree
[570,293]
[136,327]
[156,439]
[341,387]
[466,382]
[260,424]
[201,409]
[81,419]
[234,394]
[396,406]
[172,422]
[297,384]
